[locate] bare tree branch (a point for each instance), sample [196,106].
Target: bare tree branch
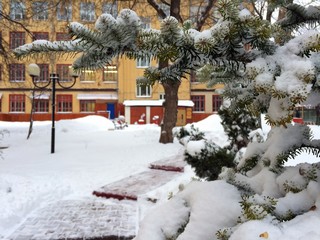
[175,10]
[205,14]
[157,7]
[256,10]
[20,24]
[165,2]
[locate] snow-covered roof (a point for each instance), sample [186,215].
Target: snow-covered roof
[181,103]
[97,96]
[130,103]
[41,96]
[185,103]
[312,100]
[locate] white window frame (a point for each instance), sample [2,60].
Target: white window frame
[145,23]
[162,96]
[143,62]
[111,8]
[87,11]
[40,10]
[88,76]
[113,71]
[64,11]
[143,90]
[17,10]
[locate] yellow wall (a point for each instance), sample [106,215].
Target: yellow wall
[127,70]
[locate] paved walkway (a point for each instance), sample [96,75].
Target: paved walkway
[81,219]
[133,186]
[99,218]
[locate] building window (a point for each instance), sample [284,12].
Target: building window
[110,73]
[143,90]
[40,36]
[162,96]
[41,105]
[216,103]
[198,103]
[63,37]
[64,103]
[63,72]
[64,11]
[111,8]
[17,39]
[17,103]
[145,23]
[17,10]
[87,12]
[143,62]
[88,76]
[44,73]
[16,72]
[40,10]
[87,105]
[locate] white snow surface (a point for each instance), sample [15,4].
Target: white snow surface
[90,154]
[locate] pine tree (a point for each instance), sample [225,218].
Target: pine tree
[123,36]
[298,16]
[278,78]
[173,43]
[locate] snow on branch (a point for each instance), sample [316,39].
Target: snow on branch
[41,46]
[110,37]
[298,15]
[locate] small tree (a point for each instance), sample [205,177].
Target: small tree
[123,36]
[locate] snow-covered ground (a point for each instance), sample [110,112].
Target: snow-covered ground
[89,155]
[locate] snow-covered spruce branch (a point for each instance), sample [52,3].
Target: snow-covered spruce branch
[171,32]
[298,16]
[94,60]
[149,40]
[89,38]
[312,147]
[43,46]
[288,82]
[111,35]
[283,143]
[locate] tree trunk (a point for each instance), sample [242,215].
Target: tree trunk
[171,89]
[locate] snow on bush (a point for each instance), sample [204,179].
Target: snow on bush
[197,212]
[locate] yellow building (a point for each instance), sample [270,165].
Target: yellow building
[109,92]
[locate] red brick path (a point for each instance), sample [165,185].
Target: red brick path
[99,218]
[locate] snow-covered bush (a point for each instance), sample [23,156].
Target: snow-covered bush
[238,123]
[278,78]
[206,157]
[185,134]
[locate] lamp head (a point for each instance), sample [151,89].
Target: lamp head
[33,70]
[73,73]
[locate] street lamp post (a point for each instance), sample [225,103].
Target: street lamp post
[34,71]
